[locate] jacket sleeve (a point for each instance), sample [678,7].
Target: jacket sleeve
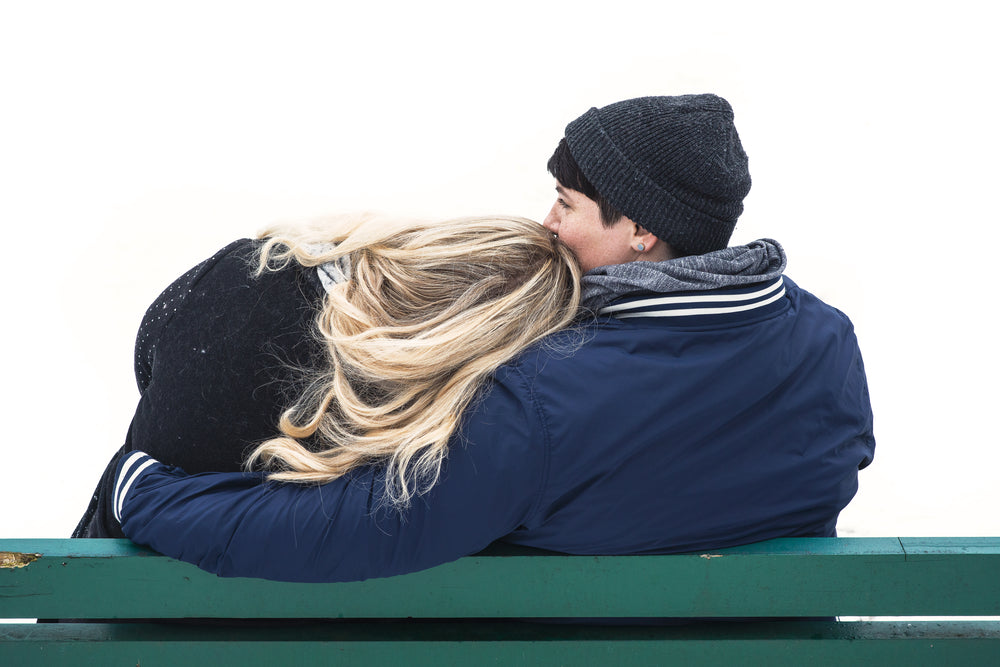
[237,524]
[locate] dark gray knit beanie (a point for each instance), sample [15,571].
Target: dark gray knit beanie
[674,165]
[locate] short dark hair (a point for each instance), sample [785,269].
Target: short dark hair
[568,173]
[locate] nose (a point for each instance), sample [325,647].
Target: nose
[551,221]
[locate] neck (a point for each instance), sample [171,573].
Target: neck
[660,253]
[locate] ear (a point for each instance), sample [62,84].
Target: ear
[643,238]
[653,248]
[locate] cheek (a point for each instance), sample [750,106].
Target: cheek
[588,246]
[578,229]
[578,239]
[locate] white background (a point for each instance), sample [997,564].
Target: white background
[137,138]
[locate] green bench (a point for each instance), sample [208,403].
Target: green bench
[509,606]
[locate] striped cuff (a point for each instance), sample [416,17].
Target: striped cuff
[129,470]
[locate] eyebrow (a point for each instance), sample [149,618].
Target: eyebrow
[562,191]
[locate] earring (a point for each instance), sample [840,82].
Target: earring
[640,247]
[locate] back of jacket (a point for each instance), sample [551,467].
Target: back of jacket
[686,425]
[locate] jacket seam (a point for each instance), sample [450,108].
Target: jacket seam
[546,446]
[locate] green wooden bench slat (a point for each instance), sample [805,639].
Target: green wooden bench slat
[792,577]
[464,610]
[487,642]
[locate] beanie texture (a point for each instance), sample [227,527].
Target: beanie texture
[674,165]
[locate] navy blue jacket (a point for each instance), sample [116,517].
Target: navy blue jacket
[669,424]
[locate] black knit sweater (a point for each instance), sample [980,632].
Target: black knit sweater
[215,358]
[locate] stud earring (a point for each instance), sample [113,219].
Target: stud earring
[640,247]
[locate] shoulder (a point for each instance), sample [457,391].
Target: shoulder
[579,349]
[240,252]
[234,263]
[809,309]
[231,273]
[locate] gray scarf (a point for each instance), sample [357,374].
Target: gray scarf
[755,262]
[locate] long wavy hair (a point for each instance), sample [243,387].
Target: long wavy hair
[430,311]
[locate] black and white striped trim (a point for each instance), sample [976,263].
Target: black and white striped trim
[128,471]
[693,303]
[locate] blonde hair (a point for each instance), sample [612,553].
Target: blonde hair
[430,311]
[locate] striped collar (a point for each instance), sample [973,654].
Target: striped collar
[694,304]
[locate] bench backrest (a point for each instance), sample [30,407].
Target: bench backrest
[800,577]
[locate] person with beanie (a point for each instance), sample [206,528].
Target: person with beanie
[702,400]
[672,167]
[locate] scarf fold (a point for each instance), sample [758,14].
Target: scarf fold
[330,274]
[754,262]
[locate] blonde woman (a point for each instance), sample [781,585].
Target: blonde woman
[315,352]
